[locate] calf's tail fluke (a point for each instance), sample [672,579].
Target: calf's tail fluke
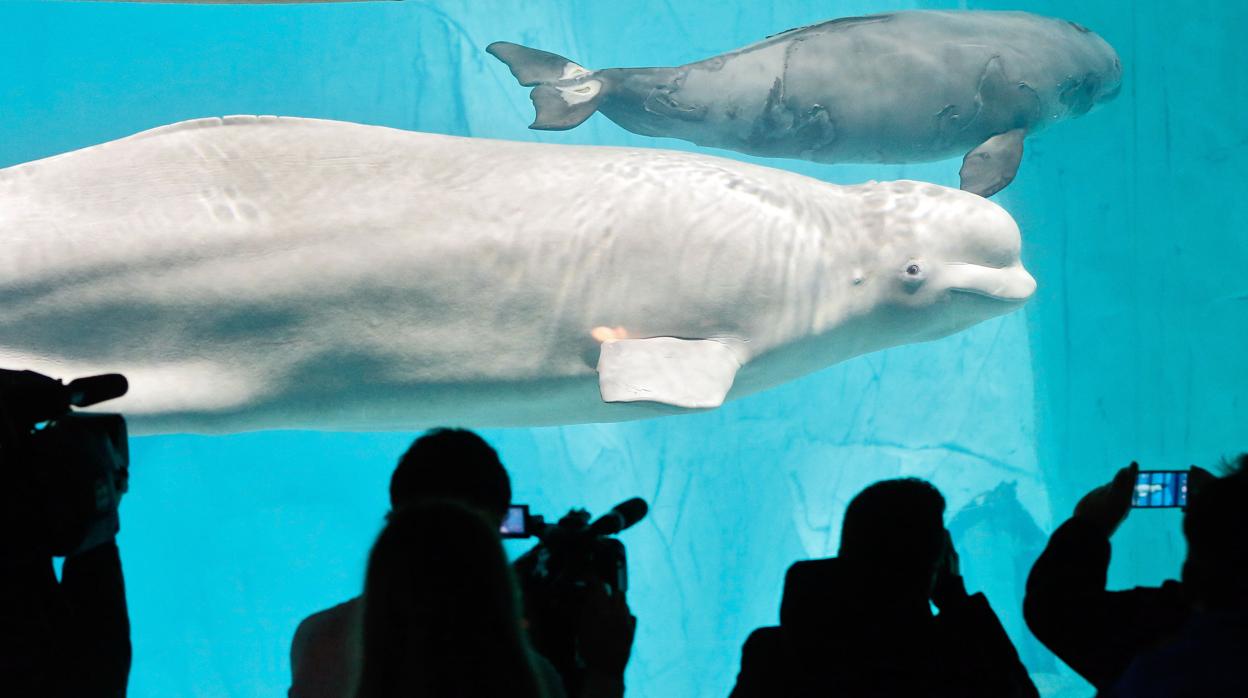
[564,94]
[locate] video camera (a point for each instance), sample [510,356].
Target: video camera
[64,471]
[556,575]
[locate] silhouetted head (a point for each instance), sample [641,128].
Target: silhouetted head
[937,260]
[441,609]
[895,530]
[452,464]
[1216,527]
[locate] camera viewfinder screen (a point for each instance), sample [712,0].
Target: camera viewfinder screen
[513,525]
[1160,488]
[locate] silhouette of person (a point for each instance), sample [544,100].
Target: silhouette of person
[1180,639]
[455,464]
[441,610]
[762,673]
[861,624]
[69,638]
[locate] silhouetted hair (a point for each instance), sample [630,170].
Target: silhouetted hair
[452,464]
[441,610]
[1216,527]
[896,528]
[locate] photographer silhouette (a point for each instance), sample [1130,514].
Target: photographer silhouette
[455,465]
[64,476]
[1184,637]
[861,624]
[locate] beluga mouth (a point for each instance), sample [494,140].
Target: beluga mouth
[1010,284]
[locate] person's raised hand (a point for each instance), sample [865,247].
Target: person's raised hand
[1106,506]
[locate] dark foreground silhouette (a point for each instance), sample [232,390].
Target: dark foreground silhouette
[442,610]
[861,624]
[69,638]
[455,465]
[1184,638]
[326,652]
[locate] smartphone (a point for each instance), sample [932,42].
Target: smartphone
[516,523]
[1159,489]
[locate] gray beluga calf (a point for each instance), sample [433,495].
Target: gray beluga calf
[262,272]
[912,86]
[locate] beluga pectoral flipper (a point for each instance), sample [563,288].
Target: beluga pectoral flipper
[913,86]
[689,373]
[991,166]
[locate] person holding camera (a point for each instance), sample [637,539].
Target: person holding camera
[861,624]
[457,465]
[1177,639]
[69,637]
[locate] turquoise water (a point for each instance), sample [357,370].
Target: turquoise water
[1133,222]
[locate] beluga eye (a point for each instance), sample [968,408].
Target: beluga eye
[913,275]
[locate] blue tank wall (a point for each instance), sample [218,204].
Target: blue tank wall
[1133,347]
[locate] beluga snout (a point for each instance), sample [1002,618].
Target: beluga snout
[985,256]
[1009,284]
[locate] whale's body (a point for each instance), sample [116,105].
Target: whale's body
[911,86]
[263,272]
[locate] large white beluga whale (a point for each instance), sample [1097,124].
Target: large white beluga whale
[262,272]
[914,86]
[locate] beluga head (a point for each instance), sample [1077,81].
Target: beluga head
[937,261]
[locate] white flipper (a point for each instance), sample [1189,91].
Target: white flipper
[691,373]
[991,166]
